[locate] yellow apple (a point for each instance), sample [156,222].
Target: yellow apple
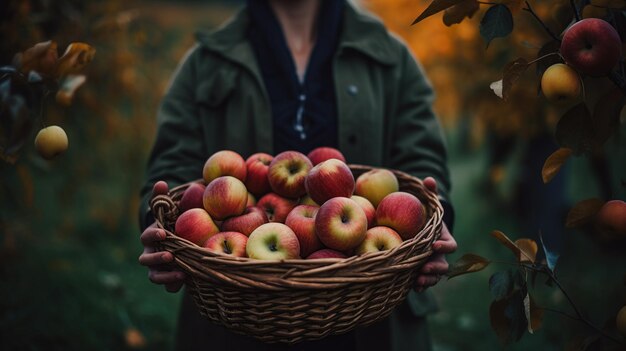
[51,141]
[561,84]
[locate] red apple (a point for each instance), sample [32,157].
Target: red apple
[228,243]
[368,208]
[326,253]
[276,207]
[251,219]
[611,220]
[257,169]
[379,239]
[224,163]
[340,224]
[403,212]
[251,200]
[225,197]
[273,241]
[592,46]
[302,221]
[331,178]
[192,197]
[375,184]
[287,172]
[195,225]
[323,153]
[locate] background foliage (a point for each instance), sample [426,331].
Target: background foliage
[68,227]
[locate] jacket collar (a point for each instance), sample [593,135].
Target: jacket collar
[360,33]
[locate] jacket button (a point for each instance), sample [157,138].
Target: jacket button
[352,89]
[352,139]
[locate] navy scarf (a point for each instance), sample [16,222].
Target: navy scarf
[304,113]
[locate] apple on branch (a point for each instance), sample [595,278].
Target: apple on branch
[592,46]
[561,84]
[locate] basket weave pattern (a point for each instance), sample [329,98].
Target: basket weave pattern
[290,301]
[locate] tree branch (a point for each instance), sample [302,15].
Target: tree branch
[529,9]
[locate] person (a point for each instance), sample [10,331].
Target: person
[295,75]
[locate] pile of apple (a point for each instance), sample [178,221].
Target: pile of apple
[309,206]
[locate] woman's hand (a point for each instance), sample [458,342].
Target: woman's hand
[160,269]
[436,266]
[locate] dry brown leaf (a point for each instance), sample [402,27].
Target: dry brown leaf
[42,58]
[554,163]
[583,212]
[528,250]
[75,58]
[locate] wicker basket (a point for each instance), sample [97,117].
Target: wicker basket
[296,300]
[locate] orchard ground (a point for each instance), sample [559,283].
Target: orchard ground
[69,240]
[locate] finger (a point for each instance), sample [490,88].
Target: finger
[174,287]
[438,267]
[160,188]
[151,235]
[444,246]
[154,259]
[166,277]
[431,184]
[425,281]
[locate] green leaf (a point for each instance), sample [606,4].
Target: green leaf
[468,263]
[435,7]
[500,285]
[575,130]
[497,23]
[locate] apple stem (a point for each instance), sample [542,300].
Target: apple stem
[530,10]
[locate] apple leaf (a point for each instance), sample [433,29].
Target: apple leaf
[575,130]
[500,285]
[583,212]
[507,318]
[554,163]
[606,115]
[504,240]
[497,23]
[75,58]
[468,263]
[512,72]
[457,13]
[528,250]
[533,314]
[435,7]
[552,256]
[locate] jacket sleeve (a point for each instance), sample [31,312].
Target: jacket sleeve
[177,155]
[417,142]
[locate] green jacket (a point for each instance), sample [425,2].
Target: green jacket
[217,100]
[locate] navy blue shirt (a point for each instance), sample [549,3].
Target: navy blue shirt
[304,113]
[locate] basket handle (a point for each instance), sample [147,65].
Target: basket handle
[164,209]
